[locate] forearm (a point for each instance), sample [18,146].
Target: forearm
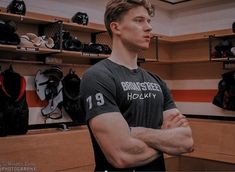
[121,150]
[173,141]
[136,154]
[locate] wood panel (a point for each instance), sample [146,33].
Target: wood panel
[50,151]
[184,163]
[213,140]
[213,148]
[164,51]
[190,50]
[162,70]
[197,70]
[88,168]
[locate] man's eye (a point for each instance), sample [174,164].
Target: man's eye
[139,20]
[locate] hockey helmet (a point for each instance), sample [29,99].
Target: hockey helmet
[97,48]
[14,112]
[12,84]
[8,35]
[80,18]
[49,87]
[71,96]
[17,7]
[72,44]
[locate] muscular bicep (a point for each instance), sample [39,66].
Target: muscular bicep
[109,128]
[113,136]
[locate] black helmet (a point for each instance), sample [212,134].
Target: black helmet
[12,84]
[17,7]
[97,48]
[14,112]
[72,44]
[71,97]
[8,35]
[80,18]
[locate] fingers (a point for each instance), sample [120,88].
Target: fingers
[169,117]
[175,120]
[180,121]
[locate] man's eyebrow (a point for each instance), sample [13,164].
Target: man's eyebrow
[142,17]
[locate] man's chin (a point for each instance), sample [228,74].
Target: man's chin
[144,48]
[141,48]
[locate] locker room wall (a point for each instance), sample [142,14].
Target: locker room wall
[213,15]
[193,86]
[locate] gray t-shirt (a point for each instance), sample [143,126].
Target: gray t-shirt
[138,95]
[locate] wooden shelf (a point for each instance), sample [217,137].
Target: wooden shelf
[75,54]
[176,61]
[91,27]
[195,36]
[151,60]
[183,61]
[58,53]
[42,63]
[26,19]
[36,18]
[223,59]
[28,50]
[21,61]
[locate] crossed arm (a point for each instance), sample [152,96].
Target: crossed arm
[124,149]
[174,137]
[121,149]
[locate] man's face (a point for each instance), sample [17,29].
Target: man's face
[135,29]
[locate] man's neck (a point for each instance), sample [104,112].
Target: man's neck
[123,56]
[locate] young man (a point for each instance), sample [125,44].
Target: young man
[130,113]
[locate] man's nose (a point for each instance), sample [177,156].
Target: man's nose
[148,27]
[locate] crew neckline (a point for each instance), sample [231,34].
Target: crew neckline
[134,71]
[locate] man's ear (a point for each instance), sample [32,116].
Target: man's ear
[114,26]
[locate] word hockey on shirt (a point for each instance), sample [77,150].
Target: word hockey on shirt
[146,90]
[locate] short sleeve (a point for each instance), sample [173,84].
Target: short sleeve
[98,93]
[168,100]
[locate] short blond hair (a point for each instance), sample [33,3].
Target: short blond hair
[115,9]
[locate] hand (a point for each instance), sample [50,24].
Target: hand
[174,120]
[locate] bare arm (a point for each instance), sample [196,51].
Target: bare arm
[119,147]
[175,136]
